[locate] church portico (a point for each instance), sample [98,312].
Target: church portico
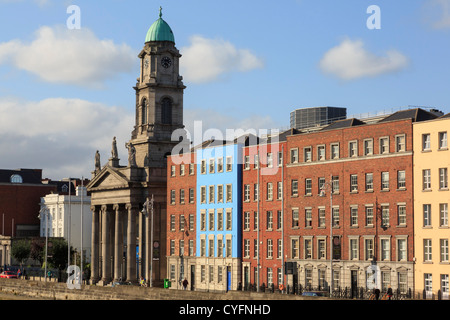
[115,243]
[121,229]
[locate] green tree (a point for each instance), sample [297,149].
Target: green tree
[20,250]
[38,250]
[58,254]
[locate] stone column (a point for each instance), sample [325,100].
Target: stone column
[112,228]
[141,246]
[118,244]
[131,245]
[124,220]
[95,246]
[106,251]
[148,258]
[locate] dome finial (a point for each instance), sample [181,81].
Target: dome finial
[159,30]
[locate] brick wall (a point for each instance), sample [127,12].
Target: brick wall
[21,203]
[269,208]
[344,167]
[178,182]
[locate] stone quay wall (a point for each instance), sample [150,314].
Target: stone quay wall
[60,291]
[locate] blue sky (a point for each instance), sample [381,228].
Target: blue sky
[245,63]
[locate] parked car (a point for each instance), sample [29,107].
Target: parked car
[314,293]
[8,275]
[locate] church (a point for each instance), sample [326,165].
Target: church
[129,202]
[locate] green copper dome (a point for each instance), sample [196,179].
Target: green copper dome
[160,31]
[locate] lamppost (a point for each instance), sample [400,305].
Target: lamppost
[258,217]
[329,185]
[69,223]
[44,211]
[148,206]
[81,251]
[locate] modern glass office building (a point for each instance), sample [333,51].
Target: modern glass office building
[317,116]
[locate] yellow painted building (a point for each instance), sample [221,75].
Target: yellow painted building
[431,204]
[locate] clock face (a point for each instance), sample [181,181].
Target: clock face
[166,62]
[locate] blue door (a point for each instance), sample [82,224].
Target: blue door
[228,279]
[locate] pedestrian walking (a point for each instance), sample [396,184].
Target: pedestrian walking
[389,292]
[185,284]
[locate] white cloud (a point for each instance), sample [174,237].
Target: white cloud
[208,59]
[60,55]
[40,3]
[350,60]
[203,124]
[60,136]
[437,13]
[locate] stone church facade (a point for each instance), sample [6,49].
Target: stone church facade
[121,227]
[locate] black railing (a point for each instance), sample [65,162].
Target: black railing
[424,295]
[338,293]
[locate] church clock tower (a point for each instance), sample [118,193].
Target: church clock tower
[159,97]
[129,203]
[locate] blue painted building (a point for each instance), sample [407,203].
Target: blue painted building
[219,205]
[218,213]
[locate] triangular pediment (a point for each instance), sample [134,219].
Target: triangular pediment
[354,267]
[108,178]
[385,268]
[402,269]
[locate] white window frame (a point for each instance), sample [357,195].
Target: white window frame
[229,164]
[353,148]
[384,145]
[426,179]
[203,166]
[307,154]
[443,179]
[426,142]
[400,143]
[321,152]
[353,183]
[368,147]
[294,155]
[334,153]
[443,140]
[384,181]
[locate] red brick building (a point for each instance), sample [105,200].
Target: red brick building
[181,218]
[368,170]
[262,233]
[20,195]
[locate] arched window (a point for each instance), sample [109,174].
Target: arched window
[144,111]
[166,111]
[15,178]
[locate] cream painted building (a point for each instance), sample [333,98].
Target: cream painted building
[58,211]
[431,203]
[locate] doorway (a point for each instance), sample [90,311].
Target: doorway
[192,278]
[354,283]
[246,277]
[228,279]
